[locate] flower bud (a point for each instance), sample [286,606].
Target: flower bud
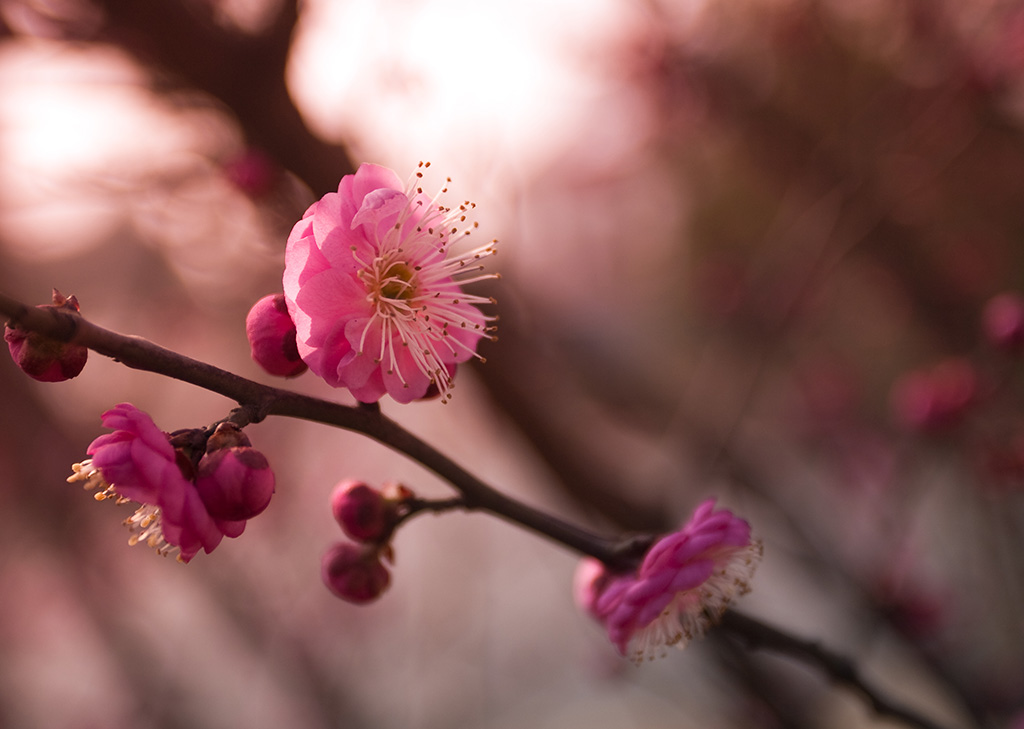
[234,483]
[45,359]
[362,511]
[271,334]
[1003,322]
[354,572]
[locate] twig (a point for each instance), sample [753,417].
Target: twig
[755,634]
[257,401]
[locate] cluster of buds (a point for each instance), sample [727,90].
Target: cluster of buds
[192,490]
[355,571]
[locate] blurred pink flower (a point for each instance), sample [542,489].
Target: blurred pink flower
[138,463]
[935,399]
[370,287]
[684,584]
[1003,321]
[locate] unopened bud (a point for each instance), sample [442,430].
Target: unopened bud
[42,358]
[271,334]
[354,572]
[235,483]
[363,512]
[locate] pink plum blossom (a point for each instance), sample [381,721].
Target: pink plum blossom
[683,585]
[138,463]
[370,285]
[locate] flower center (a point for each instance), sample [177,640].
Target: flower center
[395,281]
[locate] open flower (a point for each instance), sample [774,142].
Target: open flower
[138,463]
[684,584]
[371,288]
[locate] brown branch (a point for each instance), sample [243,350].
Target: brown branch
[755,634]
[257,401]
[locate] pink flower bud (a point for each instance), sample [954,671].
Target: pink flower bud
[1003,322]
[354,573]
[235,484]
[271,336]
[362,511]
[45,359]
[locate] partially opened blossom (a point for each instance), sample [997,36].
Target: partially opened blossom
[375,291]
[684,584]
[138,463]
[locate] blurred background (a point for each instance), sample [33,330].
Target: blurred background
[746,251]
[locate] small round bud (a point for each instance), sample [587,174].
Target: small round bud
[42,358]
[235,483]
[354,572]
[362,511]
[1003,322]
[271,334]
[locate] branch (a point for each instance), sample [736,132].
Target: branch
[257,401]
[755,634]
